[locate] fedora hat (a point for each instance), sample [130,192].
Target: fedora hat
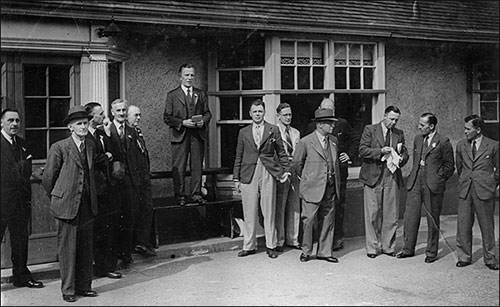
[323,114]
[76,112]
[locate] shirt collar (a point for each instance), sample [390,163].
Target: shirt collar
[259,125]
[321,138]
[478,140]
[92,130]
[76,140]
[431,135]
[8,137]
[117,124]
[184,89]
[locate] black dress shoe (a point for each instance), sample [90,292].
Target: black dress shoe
[337,247]
[294,246]
[69,298]
[329,259]
[402,255]
[181,201]
[461,264]
[87,293]
[304,257]
[393,254]
[371,255]
[430,259]
[30,284]
[492,266]
[199,199]
[279,249]
[113,275]
[145,251]
[245,253]
[272,253]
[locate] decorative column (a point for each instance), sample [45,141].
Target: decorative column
[94,80]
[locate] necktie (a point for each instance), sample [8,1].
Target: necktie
[83,154]
[474,150]
[325,142]
[426,142]
[257,135]
[189,95]
[288,141]
[14,142]
[388,138]
[120,130]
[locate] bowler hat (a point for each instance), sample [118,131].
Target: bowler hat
[76,112]
[323,114]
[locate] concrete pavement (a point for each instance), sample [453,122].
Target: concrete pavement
[209,273]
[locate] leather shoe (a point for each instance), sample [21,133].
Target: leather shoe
[30,284]
[393,254]
[87,293]
[279,249]
[69,298]
[113,275]
[294,246]
[371,255]
[199,199]
[492,266]
[461,264]
[430,259]
[145,250]
[304,257]
[244,253]
[329,259]
[181,201]
[271,252]
[338,247]
[402,255]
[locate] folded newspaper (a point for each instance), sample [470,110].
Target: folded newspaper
[392,159]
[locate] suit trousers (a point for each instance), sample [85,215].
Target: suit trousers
[321,214]
[420,195]
[126,195]
[18,230]
[287,212]
[485,212]
[338,233]
[259,192]
[75,246]
[381,214]
[106,228]
[192,147]
[144,215]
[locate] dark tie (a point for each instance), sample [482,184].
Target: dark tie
[15,149]
[189,95]
[120,131]
[288,141]
[14,142]
[474,150]
[83,154]
[388,138]
[257,135]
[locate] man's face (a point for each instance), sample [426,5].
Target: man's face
[257,113]
[119,112]
[79,127]
[187,77]
[99,116]
[10,123]
[285,116]
[325,127]
[471,132]
[133,116]
[424,126]
[391,119]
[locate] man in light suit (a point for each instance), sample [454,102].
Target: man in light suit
[260,160]
[287,193]
[383,153]
[68,179]
[433,164]
[477,165]
[16,197]
[187,114]
[316,163]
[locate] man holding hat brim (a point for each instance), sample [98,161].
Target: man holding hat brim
[319,189]
[69,182]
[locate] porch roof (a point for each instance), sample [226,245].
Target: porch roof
[456,21]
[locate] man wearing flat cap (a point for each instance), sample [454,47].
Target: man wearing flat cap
[69,182]
[315,162]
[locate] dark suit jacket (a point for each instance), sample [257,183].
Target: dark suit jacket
[102,167]
[439,162]
[129,155]
[63,178]
[143,158]
[481,172]
[372,140]
[15,185]
[271,153]
[310,164]
[176,111]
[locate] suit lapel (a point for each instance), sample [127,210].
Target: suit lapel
[434,143]
[180,95]
[7,152]
[379,134]
[316,145]
[482,148]
[249,137]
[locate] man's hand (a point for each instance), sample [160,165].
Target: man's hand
[344,158]
[199,124]
[109,155]
[106,123]
[284,178]
[189,123]
[386,150]
[237,185]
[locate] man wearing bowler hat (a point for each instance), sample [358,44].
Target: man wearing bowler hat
[69,182]
[315,162]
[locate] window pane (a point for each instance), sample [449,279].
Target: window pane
[34,80]
[354,78]
[489,96]
[287,52]
[35,140]
[247,103]
[113,81]
[318,77]
[303,53]
[340,54]
[229,80]
[229,108]
[59,80]
[354,54]
[287,77]
[488,86]
[58,110]
[318,53]
[489,110]
[240,52]
[252,79]
[35,113]
[368,78]
[368,51]
[304,77]
[340,78]
[229,139]
[57,135]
